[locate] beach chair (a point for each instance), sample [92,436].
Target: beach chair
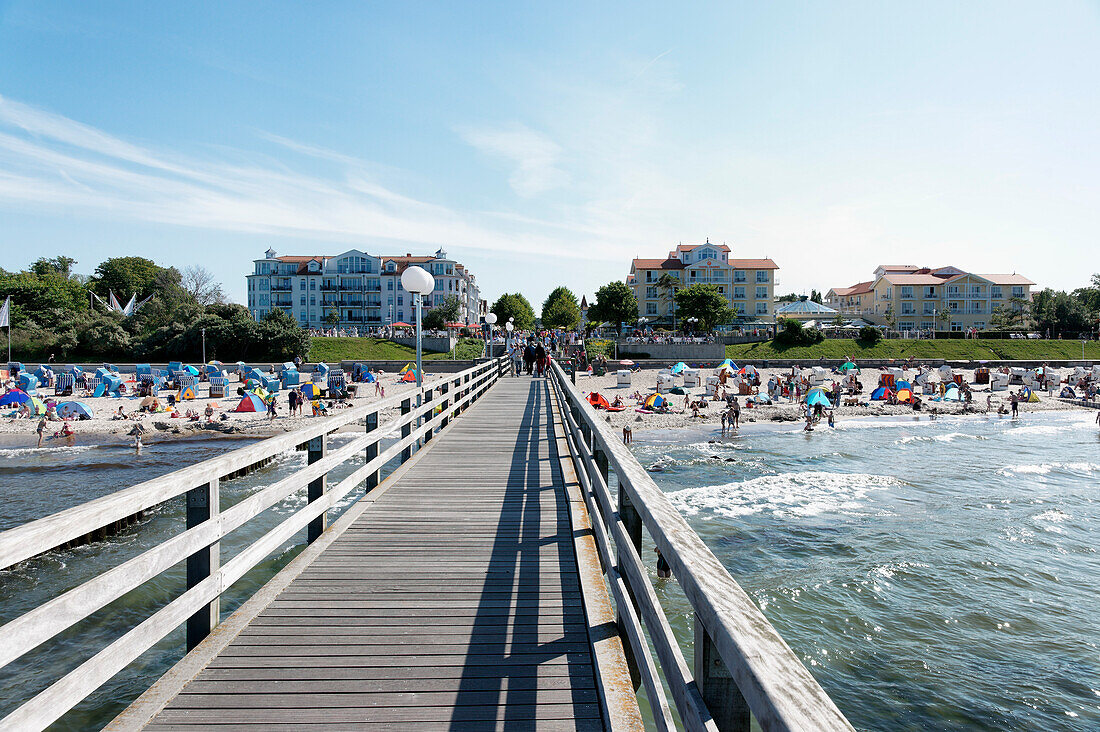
[289,376]
[998,381]
[64,385]
[271,383]
[218,385]
[664,382]
[622,378]
[712,386]
[692,378]
[337,381]
[154,381]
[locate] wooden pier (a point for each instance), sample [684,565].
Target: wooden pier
[493,580]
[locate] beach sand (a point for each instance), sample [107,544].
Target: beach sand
[162,426]
[644,382]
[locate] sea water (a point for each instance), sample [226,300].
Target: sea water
[37,482]
[930,574]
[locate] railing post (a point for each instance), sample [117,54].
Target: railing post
[444,392]
[427,398]
[406,429]
[203,504]
[318,448]
[573,370]
[372,450]
[466,391]
[720,693]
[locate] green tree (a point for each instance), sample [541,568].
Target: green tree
[516,306]
[816,296]
[126,276]
[615,304]
[1059,313]
[670,284]
[706,303]
[890,318]
[944,316]
[332,317]
[44,300]
[443,313]
[560,309]
[60,266]
[789,297]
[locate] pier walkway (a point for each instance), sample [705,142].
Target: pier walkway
[453,598]
[501,576]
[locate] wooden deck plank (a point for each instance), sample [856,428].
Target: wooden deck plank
[452,602]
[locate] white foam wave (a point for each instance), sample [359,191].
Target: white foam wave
[1046,468]
[16,452]
[790,494]
[949,437]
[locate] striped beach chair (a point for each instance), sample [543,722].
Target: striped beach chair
[217,386]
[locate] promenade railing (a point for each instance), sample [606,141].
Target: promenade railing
[742,667]
[422,413]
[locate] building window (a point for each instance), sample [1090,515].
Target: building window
[738,275]
[956,325]
[761,308]
[762,293]
[995,292]
[389,284]
[1017,291]
[907,292]
[926,325]
[762,275]
[312,299]
[651,292]
[930,291]
[979,324]
[738,293]
[651,308]
[400,299]
[905,325]
[301,284]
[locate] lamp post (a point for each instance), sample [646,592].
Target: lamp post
[204,346]
[508,338]
[693,321]
[419,282]
[491,319]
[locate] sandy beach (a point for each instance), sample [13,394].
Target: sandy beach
[644,382]
[103,427]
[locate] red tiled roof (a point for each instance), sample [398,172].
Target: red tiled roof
[753,264]
[1007,279]
[859,288]
[670,263]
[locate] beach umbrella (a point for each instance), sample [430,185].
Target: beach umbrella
[251,402]
[69,410]
[261,392]
[408,367]
[748,371]
[848,367]
[903,384]
[191,370]
[678,367]
[15,396]
[369,378]
[626,362]
[253,384]
[311,391]
[399,324]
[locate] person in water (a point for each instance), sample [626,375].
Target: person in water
[41,430]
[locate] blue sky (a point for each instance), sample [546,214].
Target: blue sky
[549,143]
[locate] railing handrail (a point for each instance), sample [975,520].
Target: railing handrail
[31,629]
[777,687]
[50,532]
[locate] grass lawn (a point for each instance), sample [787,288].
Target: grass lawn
[379,349]
[954,350]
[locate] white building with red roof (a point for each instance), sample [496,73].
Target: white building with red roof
[748,284]
[360,289]
[908,297]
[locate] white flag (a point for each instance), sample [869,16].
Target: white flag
[4,322]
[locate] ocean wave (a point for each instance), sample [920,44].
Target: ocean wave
[949,437]
[1047,468]
[790,494]
[17,452]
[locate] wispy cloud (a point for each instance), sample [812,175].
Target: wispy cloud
[533,155]
[52,163]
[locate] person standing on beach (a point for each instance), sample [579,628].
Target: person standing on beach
[1014,401]
[41,430]
[735,414]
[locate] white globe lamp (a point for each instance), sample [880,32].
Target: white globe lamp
[419,282]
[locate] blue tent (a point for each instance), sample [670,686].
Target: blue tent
[952,394]
[71,410]
[679,367]
[903,384]
[881,394]
[369,377]
[817,396]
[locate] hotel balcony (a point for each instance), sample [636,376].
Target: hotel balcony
[280,287]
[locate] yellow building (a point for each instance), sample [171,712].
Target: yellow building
[919,298]
[748,284]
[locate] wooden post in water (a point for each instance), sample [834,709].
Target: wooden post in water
[372,450]
[406,429]
[318,448]
[720,693]
[203,504]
